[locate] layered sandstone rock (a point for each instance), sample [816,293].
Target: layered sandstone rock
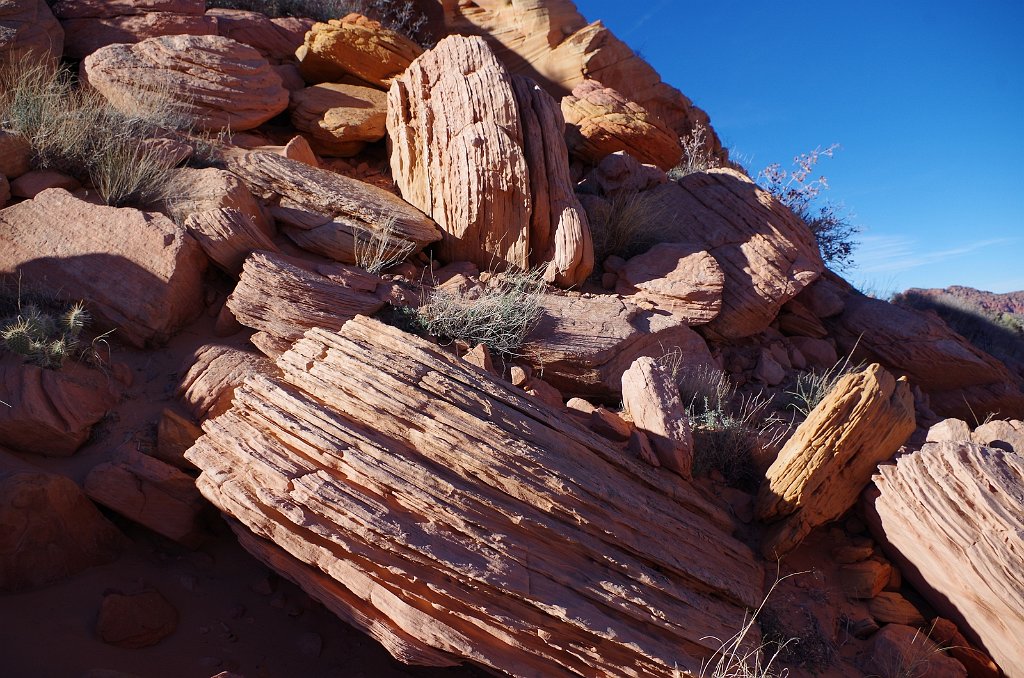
[452,517]
[50,412]
[139,273]
[355,46]
[826,463]
[202,190]
[340,119]
[323,211]
[228,237]
[214,372]
[960,379]
[275,38]
[50,529]
[29,31]
[584,344]
[678,278]
[277,296]
[601,121]
[551,42]
[1006,435]
[92,24]
[461,151]
[953,514]
[651,397]
[214,82]
[766,253]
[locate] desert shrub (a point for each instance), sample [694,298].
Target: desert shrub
[379,249]
[500,316]
[78,132]
[44,337]
[399,15]
[812,386]
[999,334]
[633,223]
[729,429]
[798,190]
[697,156]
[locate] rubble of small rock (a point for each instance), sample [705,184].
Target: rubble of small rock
[258,393]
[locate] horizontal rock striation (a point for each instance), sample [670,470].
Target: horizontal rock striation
[453,517]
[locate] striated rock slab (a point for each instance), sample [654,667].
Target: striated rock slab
[601,121]
[278,296]
[275,38]
[228,237]
[50,529]
[678,278]
[29,31]
[484,156]
[953,516]
[829,459]
[355,46]
[202,190]
[559,233]
[651,397]
[765,252]
[93,24]
[457,152]
[214,372]
[583,344]
[960,380]
[340,119]
[50,412]
[453,517]
[138,272]
[215,82]
[322,211]
[150,493]
[551,42]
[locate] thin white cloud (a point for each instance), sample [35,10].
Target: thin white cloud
[883,254]
[645,17]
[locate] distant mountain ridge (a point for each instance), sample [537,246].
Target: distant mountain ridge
[1007,302]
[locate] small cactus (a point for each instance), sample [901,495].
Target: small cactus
[44,338]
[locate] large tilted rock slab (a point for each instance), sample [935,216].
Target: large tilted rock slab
[766,253]
[48,528]
[228,237]
[323,211]
[50,412]
[453,517]
[960,379]
[486,159]
[28,30]
[601,121]
[92,24]
[355,46]
[829,460]
[551,42]
[280,297]
[583,344]
[214,82]
[953,515]
[139,273]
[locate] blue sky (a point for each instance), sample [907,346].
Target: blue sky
[926,100]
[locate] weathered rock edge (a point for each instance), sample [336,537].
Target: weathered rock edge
[452,517]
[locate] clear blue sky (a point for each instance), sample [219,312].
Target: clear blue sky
[926,100]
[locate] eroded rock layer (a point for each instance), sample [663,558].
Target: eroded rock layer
[954,514]
[452,517]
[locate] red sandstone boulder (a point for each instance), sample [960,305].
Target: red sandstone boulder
[680,279]
[138,273]
[275,38]
[340,119]
[92,24]
[355,46]
[651,397]
[28,30]
[135,620]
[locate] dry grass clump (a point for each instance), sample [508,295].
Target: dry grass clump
[812,386]
[76,131]
[632,224]
[379,249]
[399,15]
[500,316]
[697,156]
[729,429]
